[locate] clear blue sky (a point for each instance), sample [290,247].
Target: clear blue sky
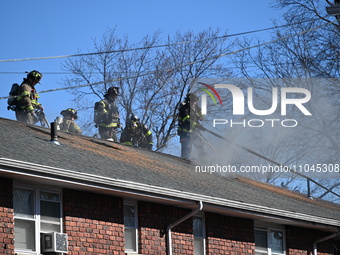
[43,28]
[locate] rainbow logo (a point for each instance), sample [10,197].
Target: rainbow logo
[210,89]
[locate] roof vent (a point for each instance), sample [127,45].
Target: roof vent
[54,135]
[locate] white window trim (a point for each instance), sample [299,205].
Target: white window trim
[36,191]
[135,204]
[204,237]
[269,227]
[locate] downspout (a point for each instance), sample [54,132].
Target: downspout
[168,229]
[315,251]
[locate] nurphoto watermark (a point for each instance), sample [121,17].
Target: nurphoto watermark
[267,127]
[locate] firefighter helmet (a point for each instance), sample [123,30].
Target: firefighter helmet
[113,90]
[35,75]
[134,118]
[70,112]
[192,97]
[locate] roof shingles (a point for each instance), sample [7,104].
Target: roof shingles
[102,158]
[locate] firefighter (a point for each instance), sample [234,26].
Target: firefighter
[137,134]
[106,115]
[68,124]
[188,120]
[27,100]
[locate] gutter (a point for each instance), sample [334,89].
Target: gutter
[315,250]
[168,229]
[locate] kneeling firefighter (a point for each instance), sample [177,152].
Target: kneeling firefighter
[68,123]
[137,134]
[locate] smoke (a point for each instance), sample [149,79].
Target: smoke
[306,144]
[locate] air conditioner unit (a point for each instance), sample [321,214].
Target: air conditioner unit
[54,242]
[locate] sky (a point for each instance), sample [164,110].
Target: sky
[42,28]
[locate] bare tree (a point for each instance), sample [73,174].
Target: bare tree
[153,80]
[89,70]
[188,62]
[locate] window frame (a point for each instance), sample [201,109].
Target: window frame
[269,227]
[135,228]
[202,238]
[60,210]
[37,215]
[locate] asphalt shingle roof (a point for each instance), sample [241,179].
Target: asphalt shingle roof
[82,154]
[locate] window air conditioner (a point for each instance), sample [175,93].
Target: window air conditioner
[54,242]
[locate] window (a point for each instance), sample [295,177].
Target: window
[131,226]
[269,240]
[199,235]
[24,215]
[35,211]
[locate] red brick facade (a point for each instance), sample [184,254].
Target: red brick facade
[153,221]
[94,223]
[299,241]
[95,226]
[6,217]
[229,235]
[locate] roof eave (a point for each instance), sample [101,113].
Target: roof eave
[12,167]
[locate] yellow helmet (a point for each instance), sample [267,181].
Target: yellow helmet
[35,75]
[69,111]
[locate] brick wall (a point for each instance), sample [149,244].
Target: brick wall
[153,221]
[299,241]
[95,226]
[94,223]
[6,217]
[229,235]
[225,235]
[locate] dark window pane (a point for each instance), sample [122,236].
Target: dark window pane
[49,196]
[23,203]
[129,216]
[50,211]
[276,240]
[261,243]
